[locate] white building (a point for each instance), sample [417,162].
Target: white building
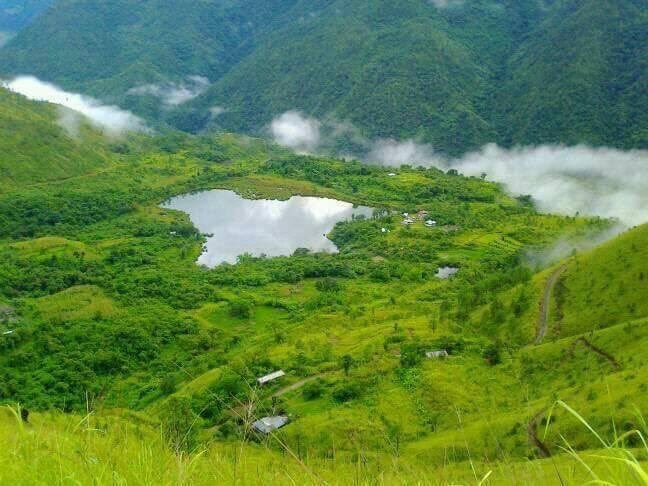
[271,377]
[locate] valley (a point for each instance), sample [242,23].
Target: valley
[114,314]
[323,242]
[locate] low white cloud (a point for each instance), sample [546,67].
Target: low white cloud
[217,111]
[296,131]
[591,181]
[446,3]
[604,182]
[111,119]
[173,94]
[393,152]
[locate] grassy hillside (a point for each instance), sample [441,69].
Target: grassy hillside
[457,77]
[35,149]
[605,287]
[127,448]
[104,311]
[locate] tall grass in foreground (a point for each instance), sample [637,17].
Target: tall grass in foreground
[616,463]
[58,449]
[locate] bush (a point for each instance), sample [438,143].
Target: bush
[328,285]
[492,355]
[313,390]
[241,309]
[346,392]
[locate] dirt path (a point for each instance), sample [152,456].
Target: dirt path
[543,319]
[295,386]
[605,355]
[532,434]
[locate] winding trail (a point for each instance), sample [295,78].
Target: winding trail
[295,386]
[604,354]
[543,319]
[532,434]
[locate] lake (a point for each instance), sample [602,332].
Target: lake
[236,225]
[446,272]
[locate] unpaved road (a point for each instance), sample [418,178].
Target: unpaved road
[532,435]
[543,319]
[295,386]
[603,354]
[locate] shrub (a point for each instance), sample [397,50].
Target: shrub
[492,355]
[313,390]
[241,309]
[346,392]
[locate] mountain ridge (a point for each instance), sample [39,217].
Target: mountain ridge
[455,77]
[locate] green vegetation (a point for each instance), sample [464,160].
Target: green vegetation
[129,449]
[515,72]
[113,321]
[16,14]
[34,149]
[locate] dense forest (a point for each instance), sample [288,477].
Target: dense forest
[17,14]
[453,74]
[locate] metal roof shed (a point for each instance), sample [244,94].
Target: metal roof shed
[266,425]
[271,377]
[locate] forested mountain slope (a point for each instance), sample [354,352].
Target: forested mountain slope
[580,75]
[16,14]
[455,74]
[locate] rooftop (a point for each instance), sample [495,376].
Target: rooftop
[266,425]
[272,376]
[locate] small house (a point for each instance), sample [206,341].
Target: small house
[267,425]
[408,221]
[422,214]
[442,353]
[271,377]
[430,223]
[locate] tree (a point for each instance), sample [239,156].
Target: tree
[492,355]
[347,363]
[241,309]
[411,355]
[179,424]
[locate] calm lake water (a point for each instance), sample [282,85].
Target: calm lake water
[262,226]
[446,272]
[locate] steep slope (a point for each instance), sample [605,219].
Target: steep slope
[605,287]
[105,48]
[16,14]
[580,76]
[392,70]
[455,74]
[34,148]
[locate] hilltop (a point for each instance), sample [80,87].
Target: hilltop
[453,74]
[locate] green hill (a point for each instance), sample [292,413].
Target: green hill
[511,72]
[605,287]
[577,77]
[35,149]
